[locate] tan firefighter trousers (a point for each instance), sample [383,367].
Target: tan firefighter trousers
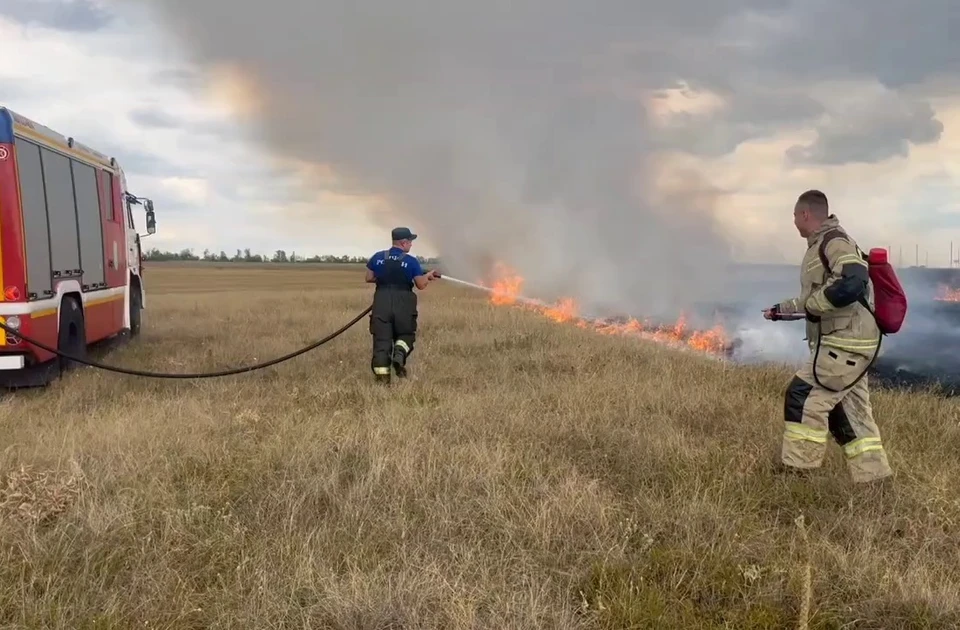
[811,412]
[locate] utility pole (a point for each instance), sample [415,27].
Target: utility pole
[951,254]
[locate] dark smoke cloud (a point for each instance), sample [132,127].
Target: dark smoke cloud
[516,130]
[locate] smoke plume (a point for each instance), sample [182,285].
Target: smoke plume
[498,130]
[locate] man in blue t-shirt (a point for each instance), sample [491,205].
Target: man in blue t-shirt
[393,320]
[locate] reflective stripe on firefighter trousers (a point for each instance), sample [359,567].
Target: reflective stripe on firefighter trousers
[861,446]
[800,433]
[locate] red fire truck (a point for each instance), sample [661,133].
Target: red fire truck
[70,258]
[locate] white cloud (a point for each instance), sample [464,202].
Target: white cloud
[189,190]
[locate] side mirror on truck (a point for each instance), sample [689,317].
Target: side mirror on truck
[151,218]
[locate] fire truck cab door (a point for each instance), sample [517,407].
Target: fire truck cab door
[133,258]
[113,232]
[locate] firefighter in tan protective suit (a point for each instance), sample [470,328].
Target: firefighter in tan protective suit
[829,394]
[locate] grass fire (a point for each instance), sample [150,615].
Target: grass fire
[506,289]
[946,293]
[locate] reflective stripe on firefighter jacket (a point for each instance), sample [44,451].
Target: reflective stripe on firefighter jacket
[832,295]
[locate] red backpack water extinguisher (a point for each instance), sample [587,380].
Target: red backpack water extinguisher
[889,298]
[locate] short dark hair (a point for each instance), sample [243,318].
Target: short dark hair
[816,201]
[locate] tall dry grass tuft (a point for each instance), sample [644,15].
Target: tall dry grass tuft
[806,584]
[38,496]
[529,475]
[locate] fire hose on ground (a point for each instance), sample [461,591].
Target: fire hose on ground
[219,373]
[187,375]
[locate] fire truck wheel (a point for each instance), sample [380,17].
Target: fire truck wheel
[73,337]
[135,312]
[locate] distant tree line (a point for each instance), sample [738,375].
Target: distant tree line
[246,256]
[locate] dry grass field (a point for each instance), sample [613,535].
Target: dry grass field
[529,474]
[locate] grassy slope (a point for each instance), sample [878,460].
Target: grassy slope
[532,475]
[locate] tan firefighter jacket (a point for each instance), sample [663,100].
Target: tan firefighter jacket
[849,327]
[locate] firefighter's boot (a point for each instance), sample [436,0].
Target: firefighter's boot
[381,374]
[400,360]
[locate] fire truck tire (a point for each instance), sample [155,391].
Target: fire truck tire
[72,338]
[136,310]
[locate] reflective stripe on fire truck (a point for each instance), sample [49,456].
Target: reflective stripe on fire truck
[50,306]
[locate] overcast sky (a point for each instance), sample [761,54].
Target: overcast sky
[861,101]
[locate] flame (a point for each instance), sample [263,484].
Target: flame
[506,290]
[564,310]
[947,294]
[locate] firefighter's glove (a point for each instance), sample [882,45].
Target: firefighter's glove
[775,313]
[788,309]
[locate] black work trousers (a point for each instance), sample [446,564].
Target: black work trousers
[393,324]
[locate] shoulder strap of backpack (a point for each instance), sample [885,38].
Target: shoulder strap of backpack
[829,236]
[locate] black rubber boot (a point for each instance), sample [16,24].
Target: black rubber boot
[400,361]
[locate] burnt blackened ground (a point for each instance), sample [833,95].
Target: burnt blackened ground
[925,352]
[894,375]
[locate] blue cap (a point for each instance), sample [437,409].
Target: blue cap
[402,234]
